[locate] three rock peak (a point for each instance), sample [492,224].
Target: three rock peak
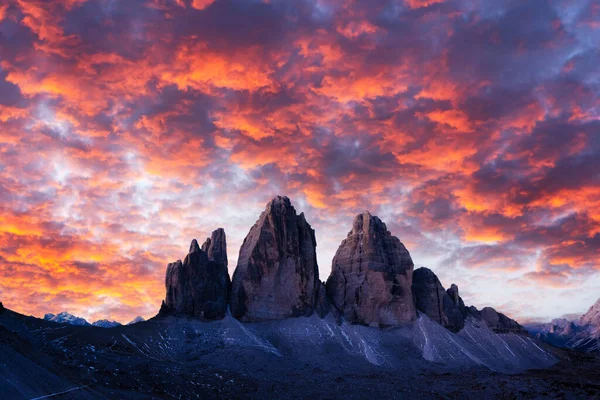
[372,281]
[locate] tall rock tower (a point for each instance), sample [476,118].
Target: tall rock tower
[277,274]
[199,286]
[371,276]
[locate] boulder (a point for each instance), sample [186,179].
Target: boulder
[371,276]
[277,275]
[443,307]
[199,286]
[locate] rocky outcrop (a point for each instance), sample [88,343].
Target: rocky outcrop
[199,286]
[447,308]
[592,316]
[371,276]
[496,321]
[444,307]
[277,274]
[216,247]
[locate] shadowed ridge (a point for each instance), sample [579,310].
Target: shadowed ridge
[199,286]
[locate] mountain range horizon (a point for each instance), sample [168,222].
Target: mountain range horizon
[276,198]
[274,322]
[443,158]
[370,264]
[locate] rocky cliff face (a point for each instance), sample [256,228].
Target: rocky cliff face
[444,307]
[277,274]
[592,316]
[371,277]
[447,308]
[581,333]
[496,321]
[199,286]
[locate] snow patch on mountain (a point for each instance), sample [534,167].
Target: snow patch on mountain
[136,320]
[104,323]
[66,318]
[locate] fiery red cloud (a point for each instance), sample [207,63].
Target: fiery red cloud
[129,128]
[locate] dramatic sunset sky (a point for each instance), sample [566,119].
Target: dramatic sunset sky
[128,128]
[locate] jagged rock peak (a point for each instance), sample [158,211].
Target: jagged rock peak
[592,316]
[199,286]
[277,275]
[194,246]
[453,293]
[216,246]
[371,276]
[496,321]
[443,307]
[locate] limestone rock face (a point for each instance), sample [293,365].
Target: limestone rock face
[199,286]
[443,307]
[277,275]
[592,316]
[371,276]
[216,247]
[496,321]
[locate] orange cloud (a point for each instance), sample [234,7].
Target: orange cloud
[423,3]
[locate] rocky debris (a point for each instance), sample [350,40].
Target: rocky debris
[136,320]
[371,276]
[592,316]
[277,274]
[444,307]
[66,318]
[496,321]
[104,323]
[199,286]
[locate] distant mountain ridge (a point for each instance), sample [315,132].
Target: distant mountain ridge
[581,333]
[104,323]
[68,318]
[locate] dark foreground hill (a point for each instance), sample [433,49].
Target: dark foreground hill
[305,357]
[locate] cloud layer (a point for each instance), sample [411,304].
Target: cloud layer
[128,128]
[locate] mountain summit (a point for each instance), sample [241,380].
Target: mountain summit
[277,275]
[199,286]
[371,275]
